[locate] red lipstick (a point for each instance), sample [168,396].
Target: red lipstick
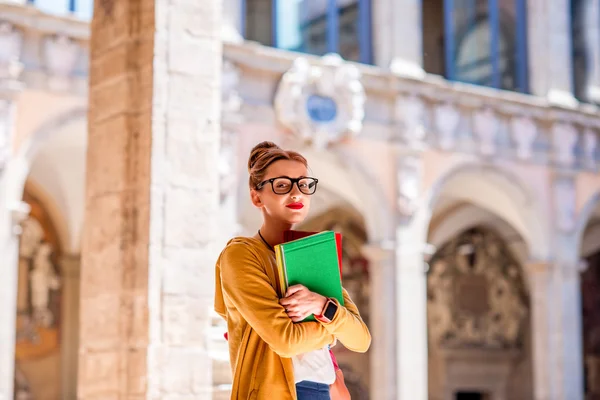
[295,206]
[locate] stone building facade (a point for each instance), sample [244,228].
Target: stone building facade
[467,191]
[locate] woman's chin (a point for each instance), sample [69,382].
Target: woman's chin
[295,219]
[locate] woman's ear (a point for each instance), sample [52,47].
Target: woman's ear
[255,198]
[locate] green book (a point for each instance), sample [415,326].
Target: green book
[313,262]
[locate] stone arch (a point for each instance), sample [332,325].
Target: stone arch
[466,216]
[498,191]
[19,167]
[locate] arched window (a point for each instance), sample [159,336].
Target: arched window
[485,43]
[474,60]
[311,26]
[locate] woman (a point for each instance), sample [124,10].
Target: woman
[271,353]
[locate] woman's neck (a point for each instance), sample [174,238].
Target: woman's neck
[273,233]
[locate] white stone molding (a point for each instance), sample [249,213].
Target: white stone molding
[411,113]
[564,140]
[590,147]
[486,125]
[447,118]
[408,177]
[564,203]
[5,131]
[524,132]
[11,42]
[322,103]
[230,98]
[61,54]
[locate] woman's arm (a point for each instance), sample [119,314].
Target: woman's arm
[249,289]
[348,327]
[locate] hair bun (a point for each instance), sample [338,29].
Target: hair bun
[260,150]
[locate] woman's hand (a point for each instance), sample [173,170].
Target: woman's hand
[299,302]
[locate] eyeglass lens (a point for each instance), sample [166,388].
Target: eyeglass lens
[284,185]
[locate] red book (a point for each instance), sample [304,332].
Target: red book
[288,236]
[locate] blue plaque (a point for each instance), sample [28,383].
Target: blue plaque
[321,108]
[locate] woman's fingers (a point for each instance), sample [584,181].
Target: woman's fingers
[293,289]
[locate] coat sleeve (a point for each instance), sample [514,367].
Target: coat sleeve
[247,286]
[348,327]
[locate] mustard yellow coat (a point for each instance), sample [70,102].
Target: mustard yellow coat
[262,338]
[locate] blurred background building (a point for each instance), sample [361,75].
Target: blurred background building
[456,144]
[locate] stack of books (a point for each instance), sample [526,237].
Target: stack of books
[313,260]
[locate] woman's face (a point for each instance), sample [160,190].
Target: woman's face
[290,208]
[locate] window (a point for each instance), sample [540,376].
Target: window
[80,8]
[580,56]
[482,42]
[311,26]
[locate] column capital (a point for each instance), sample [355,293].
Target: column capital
[19,212]
[534,267]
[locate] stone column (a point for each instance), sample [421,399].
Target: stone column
[540,294]
[398,20]
[12,210]
[69,341]
[11,215]
[570,337]
[382,321]
[152,200]
[411,312]
[549,33]
[565,300]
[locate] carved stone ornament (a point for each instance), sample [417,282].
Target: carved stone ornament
[447,118]
[31,238]
[321,103]
[523,132]
[410,112]
[408,180]
[11,41]
[564,204]
[564,140]
[590,147]
[476,294]
[61,54]
[486,124]
[230,98]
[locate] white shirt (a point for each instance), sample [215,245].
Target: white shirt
[314,366]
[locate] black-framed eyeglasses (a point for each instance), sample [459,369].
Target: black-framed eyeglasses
[284,184]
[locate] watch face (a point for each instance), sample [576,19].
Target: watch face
[330,310]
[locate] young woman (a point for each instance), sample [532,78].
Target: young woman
[273,357]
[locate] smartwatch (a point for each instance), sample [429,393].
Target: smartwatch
[329,311]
